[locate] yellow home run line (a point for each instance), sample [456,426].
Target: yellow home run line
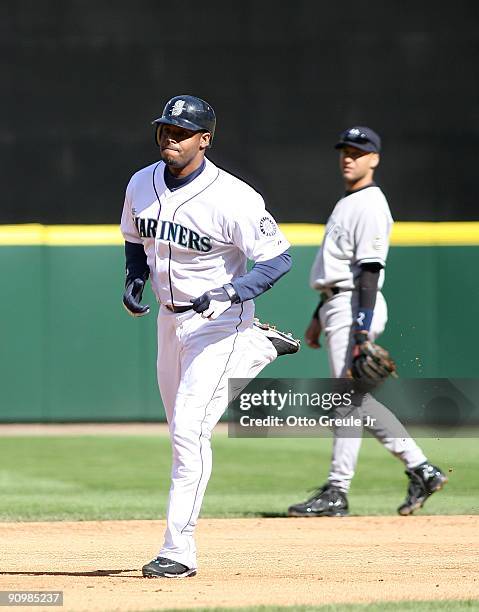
[448,233]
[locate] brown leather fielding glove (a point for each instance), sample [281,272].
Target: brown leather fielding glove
[372,363]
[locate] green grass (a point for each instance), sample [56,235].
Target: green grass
[407,606]
[127,477]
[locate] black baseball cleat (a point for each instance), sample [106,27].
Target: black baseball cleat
[284,343]
[161,567]
[424,480]
[328,500]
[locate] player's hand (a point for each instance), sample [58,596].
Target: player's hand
[360,337]
[312,333]
[212,303]
[132,299]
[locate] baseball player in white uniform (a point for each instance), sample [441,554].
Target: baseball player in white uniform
[348,272]
[191,227]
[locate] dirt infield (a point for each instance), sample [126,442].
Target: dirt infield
[248,561]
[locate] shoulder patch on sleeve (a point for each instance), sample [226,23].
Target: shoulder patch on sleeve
[268,226]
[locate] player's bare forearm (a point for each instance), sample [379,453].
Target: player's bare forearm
[312,334]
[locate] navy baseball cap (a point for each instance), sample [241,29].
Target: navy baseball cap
[361,137]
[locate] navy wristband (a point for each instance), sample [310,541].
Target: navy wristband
[363,320]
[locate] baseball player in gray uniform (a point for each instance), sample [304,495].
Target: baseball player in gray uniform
[190,227]
[349,273]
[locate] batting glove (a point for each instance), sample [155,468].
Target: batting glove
[132,299]
[215,302]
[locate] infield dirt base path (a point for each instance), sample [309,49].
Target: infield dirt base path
[247,562]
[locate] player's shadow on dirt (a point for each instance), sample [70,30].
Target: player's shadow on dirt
[93,573]
[272,514]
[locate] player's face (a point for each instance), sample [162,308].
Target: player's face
[356,165]
[180,147]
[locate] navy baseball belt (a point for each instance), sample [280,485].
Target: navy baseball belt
[178,309]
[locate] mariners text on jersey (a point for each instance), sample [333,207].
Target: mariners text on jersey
[148,228]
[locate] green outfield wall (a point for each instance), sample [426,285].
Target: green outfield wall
[69,352]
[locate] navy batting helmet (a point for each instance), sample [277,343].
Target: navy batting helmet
[188,112]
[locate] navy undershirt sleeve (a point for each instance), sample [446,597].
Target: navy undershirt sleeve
[368,289]
[368,286]
[261,277]
[136,263]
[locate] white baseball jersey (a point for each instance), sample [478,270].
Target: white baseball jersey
[357,232]
[200,236]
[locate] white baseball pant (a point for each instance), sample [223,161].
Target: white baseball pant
[337,316]
[195,359]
